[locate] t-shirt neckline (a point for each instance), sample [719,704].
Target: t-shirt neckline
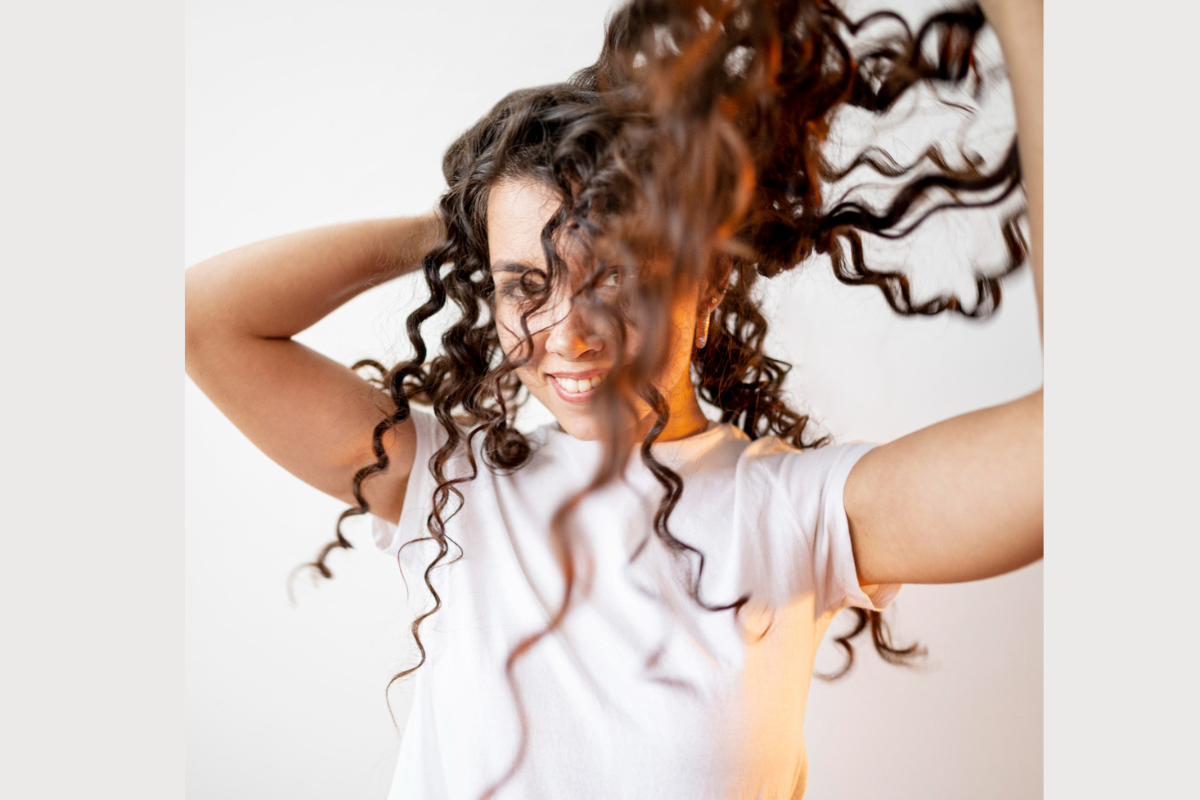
[677,451]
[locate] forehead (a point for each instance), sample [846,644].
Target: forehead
[517,212]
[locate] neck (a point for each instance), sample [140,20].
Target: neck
[687,419]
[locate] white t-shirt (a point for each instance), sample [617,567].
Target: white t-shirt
[641,693]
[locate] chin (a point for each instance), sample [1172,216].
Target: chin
[580,420]
[582,426]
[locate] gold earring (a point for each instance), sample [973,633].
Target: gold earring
[702,332]
[702,328]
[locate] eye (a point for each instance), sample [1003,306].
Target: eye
[512,289]
[528,284]
[610,279]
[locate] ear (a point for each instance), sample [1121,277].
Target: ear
[718,282]
[724,271]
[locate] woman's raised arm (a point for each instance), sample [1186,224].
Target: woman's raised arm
[1018,26]
[310,414]
[962,500]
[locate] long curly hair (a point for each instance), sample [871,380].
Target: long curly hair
[698,139]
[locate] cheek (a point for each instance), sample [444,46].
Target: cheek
[511,342]
[508,327]
[504,332]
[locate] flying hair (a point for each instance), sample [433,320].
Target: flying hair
[700,139]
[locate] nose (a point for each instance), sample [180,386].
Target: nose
[571,337]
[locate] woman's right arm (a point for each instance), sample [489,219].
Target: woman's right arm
[308,413]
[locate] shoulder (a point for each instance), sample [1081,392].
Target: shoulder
[772,457]
[477,459]
[433,431]
[725,451]
[775,480]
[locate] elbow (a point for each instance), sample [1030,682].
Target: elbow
[1032,406]
[200,324]
[194,328]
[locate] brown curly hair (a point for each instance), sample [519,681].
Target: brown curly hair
[697,139]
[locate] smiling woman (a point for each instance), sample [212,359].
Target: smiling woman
[628,600]
[570,356]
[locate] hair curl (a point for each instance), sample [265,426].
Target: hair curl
[700,133]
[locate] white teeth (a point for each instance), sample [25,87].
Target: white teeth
[572,386]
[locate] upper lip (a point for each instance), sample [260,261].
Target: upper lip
[578,376]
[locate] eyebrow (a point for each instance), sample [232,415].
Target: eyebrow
[510,266]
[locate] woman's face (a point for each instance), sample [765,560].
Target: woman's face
[572,353]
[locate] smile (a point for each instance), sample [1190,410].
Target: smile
[576,389]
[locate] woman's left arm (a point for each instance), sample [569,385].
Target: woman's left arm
[962,500]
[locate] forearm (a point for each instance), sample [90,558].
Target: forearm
[1018,26]
[276,288]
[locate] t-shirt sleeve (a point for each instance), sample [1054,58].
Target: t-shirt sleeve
[418,495]
[805,510]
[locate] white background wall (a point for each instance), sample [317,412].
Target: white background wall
[306,113]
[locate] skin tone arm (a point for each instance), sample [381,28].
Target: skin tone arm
[308,413]
[962,500]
